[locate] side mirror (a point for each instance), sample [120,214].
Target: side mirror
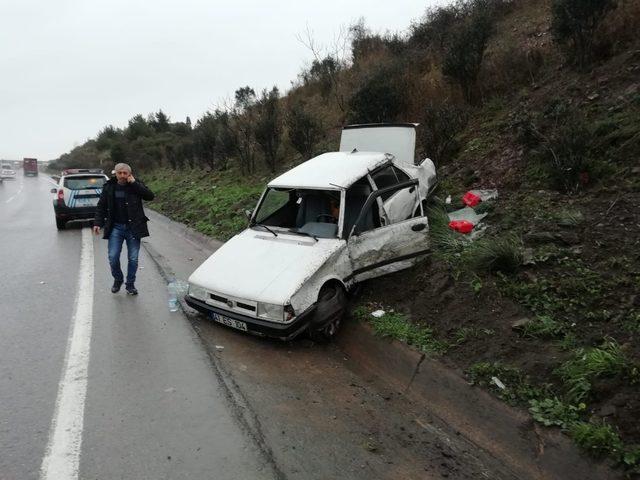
[248,214]
[54,190]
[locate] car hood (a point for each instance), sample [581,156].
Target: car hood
[255,265]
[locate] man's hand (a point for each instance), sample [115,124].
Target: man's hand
[96,230]
[130,179]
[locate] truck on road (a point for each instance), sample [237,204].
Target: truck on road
[30,167]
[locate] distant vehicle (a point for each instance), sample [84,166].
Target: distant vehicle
[7,171]
[318,229]
[30,167]
[77,194]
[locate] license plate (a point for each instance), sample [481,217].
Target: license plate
[229,322]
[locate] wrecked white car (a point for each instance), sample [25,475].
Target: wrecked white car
[318,229]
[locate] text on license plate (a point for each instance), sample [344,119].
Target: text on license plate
[230,322]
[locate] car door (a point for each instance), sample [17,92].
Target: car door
[376,249]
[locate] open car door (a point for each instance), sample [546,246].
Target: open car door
[376,251]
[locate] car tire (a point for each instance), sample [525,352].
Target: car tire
[60,224]
[336,297]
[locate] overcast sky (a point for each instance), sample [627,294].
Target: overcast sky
[68,68]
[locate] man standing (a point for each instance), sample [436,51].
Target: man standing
[121,214]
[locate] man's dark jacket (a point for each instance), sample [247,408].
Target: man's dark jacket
[134,194]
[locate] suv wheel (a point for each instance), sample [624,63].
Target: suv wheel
[60,224]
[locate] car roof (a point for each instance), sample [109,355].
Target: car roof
[331,170]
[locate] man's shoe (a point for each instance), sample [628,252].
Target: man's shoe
[116,286]
[131,290]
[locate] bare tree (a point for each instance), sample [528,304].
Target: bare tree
[332,60]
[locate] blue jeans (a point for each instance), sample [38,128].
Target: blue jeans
[121,233]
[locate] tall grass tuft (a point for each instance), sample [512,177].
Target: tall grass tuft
[502,254]
[589,364]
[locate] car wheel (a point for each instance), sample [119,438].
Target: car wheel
[60,224]
[332,301]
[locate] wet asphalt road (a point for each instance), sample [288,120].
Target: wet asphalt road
[176,396]
[152,410]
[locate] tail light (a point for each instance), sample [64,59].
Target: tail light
[60,198]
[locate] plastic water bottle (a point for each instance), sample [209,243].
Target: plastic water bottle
[172,289]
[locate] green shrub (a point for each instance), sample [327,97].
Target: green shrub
[441,124]
[574,25]
[543,327]
[569,154]
[397,326]
[464,334]
[589,364]
[552,411]
[380,98]
[463,57]
[304,129]
[268,126]
[518,389]
[569,218]
[435,29]
[503,254]
[598,440]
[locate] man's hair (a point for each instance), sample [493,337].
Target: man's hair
[122,166]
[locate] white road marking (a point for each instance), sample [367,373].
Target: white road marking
[18,193]
[62,457]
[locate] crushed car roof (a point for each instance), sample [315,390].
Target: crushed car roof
[331,170]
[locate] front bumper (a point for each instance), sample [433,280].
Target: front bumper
[283,331]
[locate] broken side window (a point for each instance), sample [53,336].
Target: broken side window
[356,197]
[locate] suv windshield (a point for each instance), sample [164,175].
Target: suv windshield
[84,183]
[311,212]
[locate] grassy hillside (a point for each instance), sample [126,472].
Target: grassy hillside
[213,204]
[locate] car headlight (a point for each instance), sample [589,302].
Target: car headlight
[198,292]
[268,311]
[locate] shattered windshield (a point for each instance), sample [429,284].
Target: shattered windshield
[310,212]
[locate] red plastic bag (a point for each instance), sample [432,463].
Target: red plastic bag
[471,199]
[462,226]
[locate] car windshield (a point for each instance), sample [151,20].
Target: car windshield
[84,183]
[310,212]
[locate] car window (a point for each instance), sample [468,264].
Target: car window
[273,201]
[387,177]
[356,198]
[301,210]
[399,206]
[82,183]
